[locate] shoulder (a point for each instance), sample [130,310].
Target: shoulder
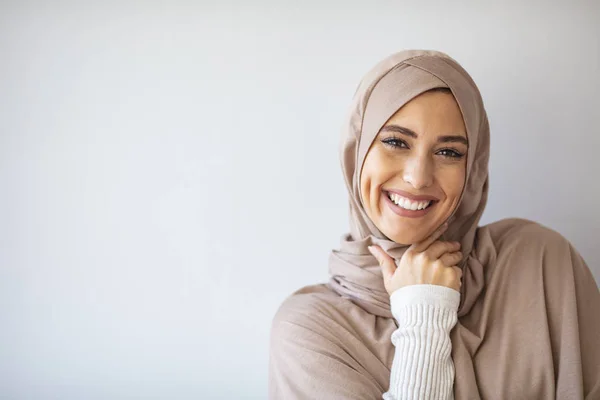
[318,348]
[306,321]
[519,232]
[526,246]
[317,314]
[307,307]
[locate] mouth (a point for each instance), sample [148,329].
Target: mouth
[415,206]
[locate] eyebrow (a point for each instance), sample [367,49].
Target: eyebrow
[411,133]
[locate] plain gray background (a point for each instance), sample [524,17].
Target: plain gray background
[169,171]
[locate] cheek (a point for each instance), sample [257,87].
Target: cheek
[373,172]
[365,178]
[377,170]
[453,181]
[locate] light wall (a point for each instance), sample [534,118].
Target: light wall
[169,170]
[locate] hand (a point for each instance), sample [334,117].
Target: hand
[427,262]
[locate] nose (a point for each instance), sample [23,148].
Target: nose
[418,171]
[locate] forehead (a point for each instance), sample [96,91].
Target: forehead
[431,112]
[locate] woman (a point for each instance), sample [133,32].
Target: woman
[423,303]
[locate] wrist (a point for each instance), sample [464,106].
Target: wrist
[414,303]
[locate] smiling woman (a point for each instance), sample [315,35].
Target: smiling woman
[422,302]
[414,172]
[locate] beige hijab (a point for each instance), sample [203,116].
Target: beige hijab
[387,87]
[529,316]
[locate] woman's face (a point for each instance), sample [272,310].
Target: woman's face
[414,171]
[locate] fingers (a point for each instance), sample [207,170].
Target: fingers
[459,274]
[425,243]
[388,265]
[438,249]
[451,259]
[458,271]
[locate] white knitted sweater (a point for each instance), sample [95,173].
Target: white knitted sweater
[422,367]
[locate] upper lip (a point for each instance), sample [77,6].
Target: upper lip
[411,196]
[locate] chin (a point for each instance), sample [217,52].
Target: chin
[404,238]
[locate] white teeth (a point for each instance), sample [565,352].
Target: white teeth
[401,202]
[408,204]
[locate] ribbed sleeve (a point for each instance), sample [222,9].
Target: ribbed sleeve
[422,367]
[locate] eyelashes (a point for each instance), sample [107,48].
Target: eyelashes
[397,143]
[450,153]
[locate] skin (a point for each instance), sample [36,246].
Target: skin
[422,165]
[430,261]
[429,159]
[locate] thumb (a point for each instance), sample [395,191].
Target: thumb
[387,263]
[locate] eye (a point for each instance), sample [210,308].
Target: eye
[395,142]
[450,153]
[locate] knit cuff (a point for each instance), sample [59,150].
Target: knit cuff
[419,304]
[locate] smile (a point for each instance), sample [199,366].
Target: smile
[406,207]
[408,204]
